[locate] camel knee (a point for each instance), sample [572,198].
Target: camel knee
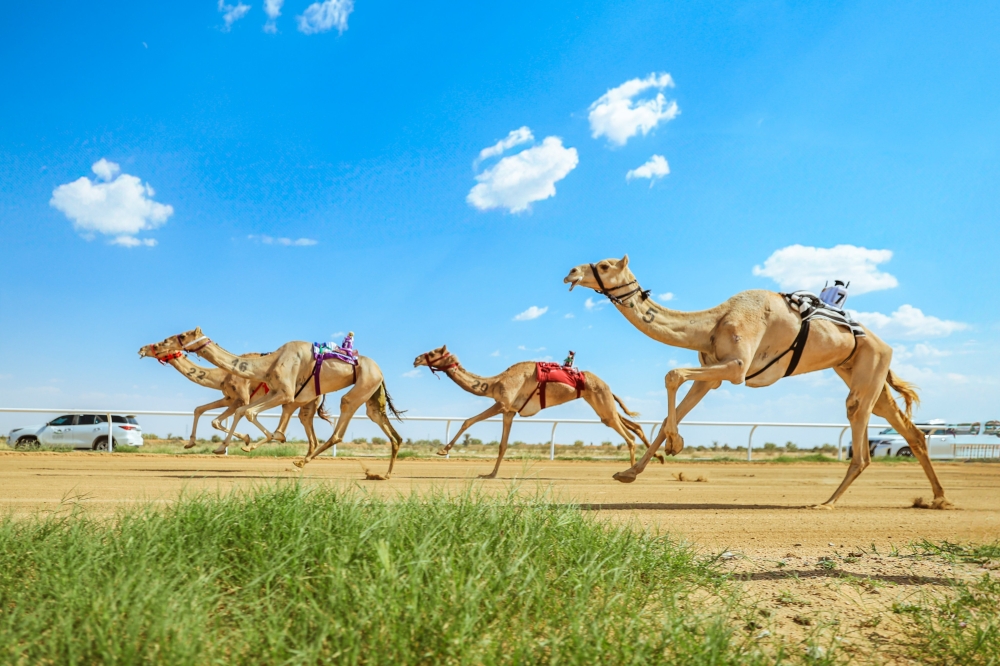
[673,380]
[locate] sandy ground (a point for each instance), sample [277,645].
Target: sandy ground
[817,576]
[753,507]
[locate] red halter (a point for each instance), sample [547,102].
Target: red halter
[169,357]
[436,369]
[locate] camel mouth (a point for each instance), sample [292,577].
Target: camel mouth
[573,281]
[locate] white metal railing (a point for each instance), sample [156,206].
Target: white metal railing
[447,420]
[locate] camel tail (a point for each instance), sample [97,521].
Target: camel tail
[622,405]
[385,401]
[322,413]
[905,389]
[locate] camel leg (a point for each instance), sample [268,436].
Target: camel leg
[378,415]
[637,429]
[198,411]
[260,404]
[349,404]
[887,408]
[508,419]
[493,410]
[866,379]
[604,406]
[217,424]
[306,415]
[698,390]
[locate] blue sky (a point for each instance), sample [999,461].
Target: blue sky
[297,177]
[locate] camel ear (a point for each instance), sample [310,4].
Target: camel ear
[444,348]
[197,331]
[623,262]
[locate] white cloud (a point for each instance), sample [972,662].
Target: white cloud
[232,13]
[654,169]
[496,353]
[105,170]
[591,304]
[515,138]
[668,296]
[326,15]
[803,267]
[273,10]
[569,315]
[412,373]
[530,175]
[115,204]
[619,116]
[908,322]
[922,351]
[534,312]
[288,242]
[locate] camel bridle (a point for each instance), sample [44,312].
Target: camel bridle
[435,368]
[618,300]
[187,347]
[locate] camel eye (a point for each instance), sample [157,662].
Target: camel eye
[603,267]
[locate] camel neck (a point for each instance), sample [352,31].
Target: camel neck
[241,367]
[469,381]
[199,375]
[688,330]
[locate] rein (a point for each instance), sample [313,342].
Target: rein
[618,300]
[437,369]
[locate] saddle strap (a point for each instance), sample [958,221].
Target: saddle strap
[796,350]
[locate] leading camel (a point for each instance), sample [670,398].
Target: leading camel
[516,390]
[290,373]
[747,339]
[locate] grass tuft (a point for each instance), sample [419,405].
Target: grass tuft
[283,574]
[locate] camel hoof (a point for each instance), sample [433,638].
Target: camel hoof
[220,451]
[246,440]
[191,444]
[659,456]
[487,476]
[441,452]
[675,443]
[822,507]
[371,476]
[299,463]
[939,503]
[628,476]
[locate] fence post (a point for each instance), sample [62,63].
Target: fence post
[111,436]
[840,443]
[447,433]
[552,442]
[750,445]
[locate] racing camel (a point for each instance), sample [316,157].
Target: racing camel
[236,392]
[297,376]
[526,389]
[757,337]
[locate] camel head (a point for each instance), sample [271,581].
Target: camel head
[434,357]
[612,273]
[171,344]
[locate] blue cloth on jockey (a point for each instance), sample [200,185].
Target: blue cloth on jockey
[323,351]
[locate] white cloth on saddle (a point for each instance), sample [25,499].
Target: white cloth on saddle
[810,306]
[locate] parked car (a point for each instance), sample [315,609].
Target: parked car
[78,431]
[944,440]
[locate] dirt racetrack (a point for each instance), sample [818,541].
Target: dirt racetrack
[749,506]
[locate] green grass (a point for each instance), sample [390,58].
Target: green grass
[812,457]
[285,575]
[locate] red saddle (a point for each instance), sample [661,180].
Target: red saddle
[554,372]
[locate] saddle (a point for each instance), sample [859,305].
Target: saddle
[554,372]
[810,306]
[324,351]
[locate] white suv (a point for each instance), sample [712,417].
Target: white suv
[78,431]
[944,440]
